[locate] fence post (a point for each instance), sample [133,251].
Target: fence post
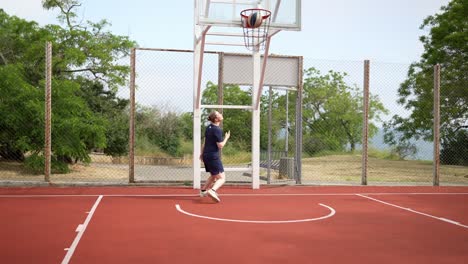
[270,94]
[48,111]
[299,102]
[131,153]
[365,127]
[221,83]
[436,159]
[221,88]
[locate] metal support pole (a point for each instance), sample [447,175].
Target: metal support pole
[298,154]
[48,112]
[286,144]
[131,147]
[257,71]
[365,120]
[261,72]
[199,49]
[221,83]
[436,172]
[270,95]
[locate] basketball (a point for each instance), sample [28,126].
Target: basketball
[254,20]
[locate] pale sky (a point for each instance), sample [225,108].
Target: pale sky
[348,30]
[336,34]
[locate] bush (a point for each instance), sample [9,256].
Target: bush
[404,150]
[313,145]
[455,149]
[36,164]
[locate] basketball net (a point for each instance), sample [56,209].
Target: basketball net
[256,23]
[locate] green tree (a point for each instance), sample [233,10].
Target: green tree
[160,128]
[447,45]
[239,122]
[105,103]
[333,112]
[21,129]
[89,55]
[23,42]
[86,48]
[168,134]
[455,150]
[75,128]
[278,126]
[187,126]
[86,75]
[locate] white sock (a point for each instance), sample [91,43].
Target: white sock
[219,183]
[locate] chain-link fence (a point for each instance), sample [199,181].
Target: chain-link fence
[164,119]
[90,133]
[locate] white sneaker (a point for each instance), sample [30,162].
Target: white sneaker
[203,193]
[213,196]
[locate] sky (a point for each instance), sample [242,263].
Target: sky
[348,30]
[336,34]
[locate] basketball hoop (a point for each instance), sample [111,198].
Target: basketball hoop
[256,23]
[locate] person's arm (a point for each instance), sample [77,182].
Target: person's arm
[226,137]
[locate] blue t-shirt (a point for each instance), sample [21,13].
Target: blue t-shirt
[213,135]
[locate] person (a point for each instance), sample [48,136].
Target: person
[211,157]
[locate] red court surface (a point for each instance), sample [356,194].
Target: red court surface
[360,224]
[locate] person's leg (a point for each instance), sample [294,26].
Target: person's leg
[208,182]
[216,168]
[220,180]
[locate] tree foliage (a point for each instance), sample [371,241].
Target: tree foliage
[20,129]
[333,112]
[87,73]
[279,124]
[446,44]
[238,120]
[160,127]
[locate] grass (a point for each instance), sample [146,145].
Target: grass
[348,168]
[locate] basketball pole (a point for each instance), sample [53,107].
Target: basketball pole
[199,50]
[257,68]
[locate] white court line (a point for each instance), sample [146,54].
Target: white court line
[332,212]
[414,211]
[224,194]
[81,228]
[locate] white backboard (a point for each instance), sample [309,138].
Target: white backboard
[280,70]
[285,14]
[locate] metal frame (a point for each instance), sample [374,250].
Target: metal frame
[201,31]
[257,83]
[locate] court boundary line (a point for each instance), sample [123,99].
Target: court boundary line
[332,212]
[414,211]
[225,194]
[82,228]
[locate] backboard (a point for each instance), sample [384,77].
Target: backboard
[285,14]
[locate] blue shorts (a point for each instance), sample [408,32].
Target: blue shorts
[213,163]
